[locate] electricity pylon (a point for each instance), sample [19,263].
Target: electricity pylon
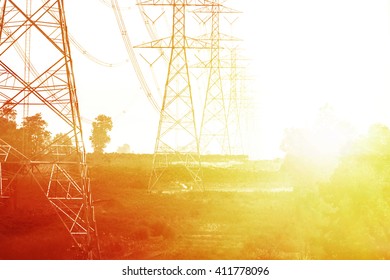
[36,76]
[234,108]
[235,98]
[177,141]
[214,131]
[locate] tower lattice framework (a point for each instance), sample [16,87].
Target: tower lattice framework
[214,130]
[235,109]
[36,77]
[177,141]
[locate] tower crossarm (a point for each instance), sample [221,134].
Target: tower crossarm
[224,63]
[207,9]
[222,37]
[166,43]
[193,3]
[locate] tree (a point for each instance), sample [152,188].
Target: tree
[62,144]
[62,139]
[359,196]
[375,144]
[313,153]
[124,149]
[8,128]
[34,133]
[100,128]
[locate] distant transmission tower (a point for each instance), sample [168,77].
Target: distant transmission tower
[36,76]
[177,141]
[235,107]
[214,132]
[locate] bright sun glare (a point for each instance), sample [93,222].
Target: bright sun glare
[303,54]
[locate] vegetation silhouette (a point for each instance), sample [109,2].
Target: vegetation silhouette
[100,128]
[294,209]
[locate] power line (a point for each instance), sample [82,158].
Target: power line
[132,55]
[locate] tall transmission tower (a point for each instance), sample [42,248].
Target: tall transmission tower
[234,107]
[36,77]
[177,141]
[214,135]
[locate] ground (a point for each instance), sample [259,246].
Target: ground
[246,211]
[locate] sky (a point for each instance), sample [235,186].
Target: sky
[303,55]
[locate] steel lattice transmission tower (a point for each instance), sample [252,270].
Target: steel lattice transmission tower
[235,104]
[36,76]
[177,139]
[214,130]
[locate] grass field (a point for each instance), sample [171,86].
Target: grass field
[245,212]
